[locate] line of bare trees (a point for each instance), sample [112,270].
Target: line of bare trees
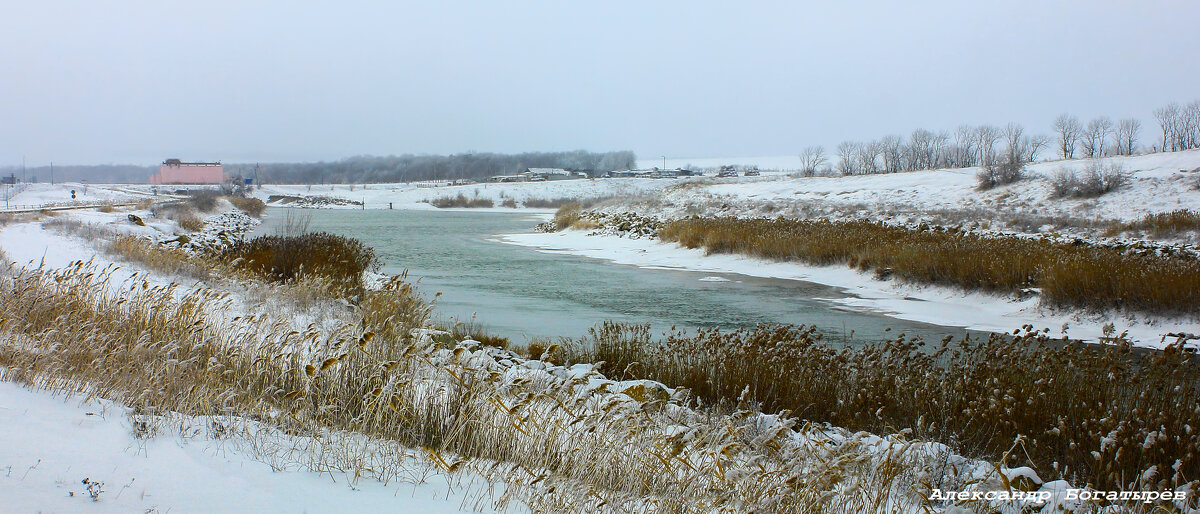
[988,145]
[1098,138]
[923,149]
[1180,126]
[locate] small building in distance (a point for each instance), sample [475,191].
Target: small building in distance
[548,174]
[509,178]
[175,171]
[655,173]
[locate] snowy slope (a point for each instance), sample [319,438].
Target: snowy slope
[52,444]
[40,194]
[1157,185]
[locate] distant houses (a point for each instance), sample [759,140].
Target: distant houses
[175,171]
[656,173]
[539,175]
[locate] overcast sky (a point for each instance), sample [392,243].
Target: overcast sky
[135,82]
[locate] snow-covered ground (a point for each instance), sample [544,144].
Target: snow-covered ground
[51,445]
[1158,183]
[43,194]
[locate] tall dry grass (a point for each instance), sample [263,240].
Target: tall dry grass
[1097,415]
[1162,224]
[462,201]
[1068,275]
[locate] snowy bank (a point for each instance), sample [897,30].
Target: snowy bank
[928,304]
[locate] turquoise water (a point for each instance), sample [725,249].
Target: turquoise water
[521,293]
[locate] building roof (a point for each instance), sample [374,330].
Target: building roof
[549,171]
[177,162]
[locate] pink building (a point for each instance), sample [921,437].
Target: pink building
[174,171]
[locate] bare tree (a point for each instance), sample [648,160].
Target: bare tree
[986,137]
[892,151]
[1014,142]
[939,156]
[846,151]
[1168,117]
[964,146]
[868,156]
[1094,136]
[811,158]
[1125,137]
[1190,126]
[922,151]
[1036,144]
[1068,129]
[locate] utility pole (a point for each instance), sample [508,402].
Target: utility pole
[52,172]
[24,176]
[664,162]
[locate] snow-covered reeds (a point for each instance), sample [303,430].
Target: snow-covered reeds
[1101,415]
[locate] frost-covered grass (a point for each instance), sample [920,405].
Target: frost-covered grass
[1070,275]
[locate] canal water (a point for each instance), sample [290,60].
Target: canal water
[521,293]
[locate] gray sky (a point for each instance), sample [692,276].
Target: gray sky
[135,82]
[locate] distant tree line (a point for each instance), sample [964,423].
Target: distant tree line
[407,168]
[97,174]
[355,170]
[989,145]
[968,145]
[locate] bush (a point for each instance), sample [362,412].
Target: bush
[251,206]
[552,203]
[1000,174]
[567,215]
[461,201]
[203,200]
[286,258]
[189,221]
[509,202]
[1096,180]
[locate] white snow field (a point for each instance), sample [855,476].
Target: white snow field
[184,464]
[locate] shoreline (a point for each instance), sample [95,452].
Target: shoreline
[936,305]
